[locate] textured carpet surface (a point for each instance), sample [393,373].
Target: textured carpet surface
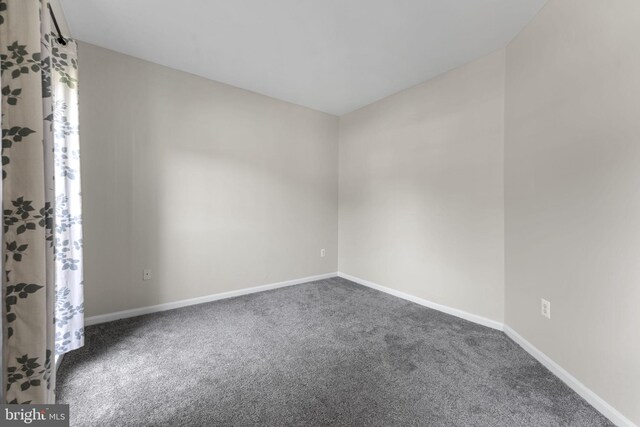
[324,353]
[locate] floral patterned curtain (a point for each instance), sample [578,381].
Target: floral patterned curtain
[42,233]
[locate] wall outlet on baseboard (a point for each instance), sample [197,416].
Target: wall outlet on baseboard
[146,274]
[545,308]
[322,252]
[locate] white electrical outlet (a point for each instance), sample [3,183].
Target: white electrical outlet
[322,253]
[545,308]
[146,274]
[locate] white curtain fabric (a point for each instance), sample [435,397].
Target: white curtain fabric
[62,138]
[42,233]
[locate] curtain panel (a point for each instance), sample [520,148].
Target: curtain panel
[42,228]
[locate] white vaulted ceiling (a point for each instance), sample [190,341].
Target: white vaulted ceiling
[330,55]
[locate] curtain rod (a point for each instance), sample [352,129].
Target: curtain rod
[60,39]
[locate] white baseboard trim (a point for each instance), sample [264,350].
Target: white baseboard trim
[102,318]
[586,393]
[494,324]
[596,401]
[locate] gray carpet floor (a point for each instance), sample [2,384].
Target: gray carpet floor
[324,353]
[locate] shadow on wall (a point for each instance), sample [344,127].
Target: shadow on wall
[211,187]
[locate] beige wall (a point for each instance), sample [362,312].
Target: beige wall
[212,187]
[573,192]
[217,189]
[421,190]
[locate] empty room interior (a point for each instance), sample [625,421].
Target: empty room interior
[320,213]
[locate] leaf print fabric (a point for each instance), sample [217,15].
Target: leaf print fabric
[41,203]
